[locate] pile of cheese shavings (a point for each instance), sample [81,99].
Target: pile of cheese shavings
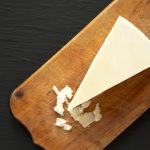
[86,118]
[62,96]
[78,114]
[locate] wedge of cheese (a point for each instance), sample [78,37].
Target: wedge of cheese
[125,52]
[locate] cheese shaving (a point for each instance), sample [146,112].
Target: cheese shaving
[79,110]
[67,127]
[97,113]
[60,122]
[67,91]
[62,96]
[86,104]
[86,119]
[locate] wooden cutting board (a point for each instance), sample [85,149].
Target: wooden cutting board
[33,101]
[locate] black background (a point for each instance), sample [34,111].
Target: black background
[31,31]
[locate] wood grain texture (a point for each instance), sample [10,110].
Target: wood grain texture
[33,101]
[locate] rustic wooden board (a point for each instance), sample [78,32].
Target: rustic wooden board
[33,101]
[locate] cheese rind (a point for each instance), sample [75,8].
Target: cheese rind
[125,52]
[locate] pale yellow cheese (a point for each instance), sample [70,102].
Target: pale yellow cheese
[125,52]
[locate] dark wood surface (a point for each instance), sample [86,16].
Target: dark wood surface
[24,64]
